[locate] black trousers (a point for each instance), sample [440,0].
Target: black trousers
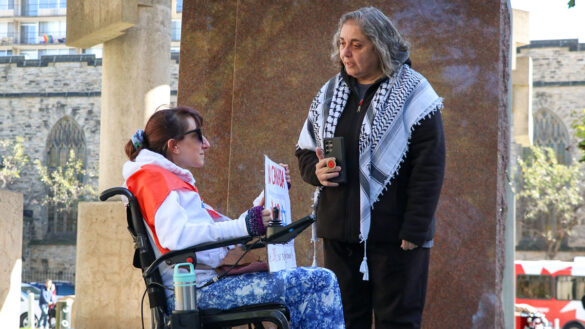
[395,292]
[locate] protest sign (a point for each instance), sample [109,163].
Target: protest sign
[280,256]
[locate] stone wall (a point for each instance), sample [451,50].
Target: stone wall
[556,60]
[34,95]
[79,74]
[49,258]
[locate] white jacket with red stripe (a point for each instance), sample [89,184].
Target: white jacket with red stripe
[182,220]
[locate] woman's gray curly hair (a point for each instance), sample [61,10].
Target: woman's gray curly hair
[391,48]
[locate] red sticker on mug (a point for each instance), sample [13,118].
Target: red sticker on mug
[331,164]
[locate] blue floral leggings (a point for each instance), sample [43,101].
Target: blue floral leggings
[310,293]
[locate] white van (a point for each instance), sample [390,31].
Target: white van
[24,310]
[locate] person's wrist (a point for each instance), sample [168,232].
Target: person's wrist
[254,223]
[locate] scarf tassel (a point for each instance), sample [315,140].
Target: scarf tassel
[364,266]
[364,269]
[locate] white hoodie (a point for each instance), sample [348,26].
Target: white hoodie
[182,221]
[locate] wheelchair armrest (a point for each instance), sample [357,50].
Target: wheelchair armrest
[286,234]
[190,250]
[290,231]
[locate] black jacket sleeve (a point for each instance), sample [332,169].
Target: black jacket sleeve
[307,162]
[426,161]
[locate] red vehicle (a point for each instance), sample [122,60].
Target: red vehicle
[555,288]
[528,317]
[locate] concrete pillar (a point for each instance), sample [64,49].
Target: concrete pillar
[135,81]
[520,32]
[10,258]
[108,289]
[522,101]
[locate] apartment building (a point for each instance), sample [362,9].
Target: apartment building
[34,28]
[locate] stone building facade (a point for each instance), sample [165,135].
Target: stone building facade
[49,102]
[558,92]
[558,68]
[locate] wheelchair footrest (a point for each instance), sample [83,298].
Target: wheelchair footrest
[270,312]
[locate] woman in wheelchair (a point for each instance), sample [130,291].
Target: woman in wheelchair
[157,173]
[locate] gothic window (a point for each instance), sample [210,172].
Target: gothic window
[550,131]
[65,137]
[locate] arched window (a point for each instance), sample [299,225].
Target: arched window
[550,131]
[66,136]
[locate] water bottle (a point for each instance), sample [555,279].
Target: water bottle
[185,292]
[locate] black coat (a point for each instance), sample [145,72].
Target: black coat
[405,210]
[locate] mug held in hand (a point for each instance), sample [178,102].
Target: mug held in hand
[333,148]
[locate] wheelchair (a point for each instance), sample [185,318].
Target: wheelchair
[144,259]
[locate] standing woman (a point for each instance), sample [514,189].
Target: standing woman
[158,174]
[378,227]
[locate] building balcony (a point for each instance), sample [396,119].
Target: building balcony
[31,11]
[36,12]
[45,39]
[7,39]
[5,12]
[33,39]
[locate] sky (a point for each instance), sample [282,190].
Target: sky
[552,19]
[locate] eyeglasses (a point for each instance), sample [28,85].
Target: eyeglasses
[198,131]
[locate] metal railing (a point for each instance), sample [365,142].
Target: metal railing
[36,11]
[51,37]
[33,38]
[42,276]
[7,39]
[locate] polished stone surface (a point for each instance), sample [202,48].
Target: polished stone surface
[253,67]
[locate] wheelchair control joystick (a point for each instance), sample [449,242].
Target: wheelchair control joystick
[275,224]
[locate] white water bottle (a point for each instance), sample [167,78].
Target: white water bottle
[185,288]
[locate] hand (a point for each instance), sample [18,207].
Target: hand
[407,245]
[285,166]
[259,200]
[323,172]
[266,216]
[266,213]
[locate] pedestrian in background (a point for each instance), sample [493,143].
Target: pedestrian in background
[52,306]
[46,300]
